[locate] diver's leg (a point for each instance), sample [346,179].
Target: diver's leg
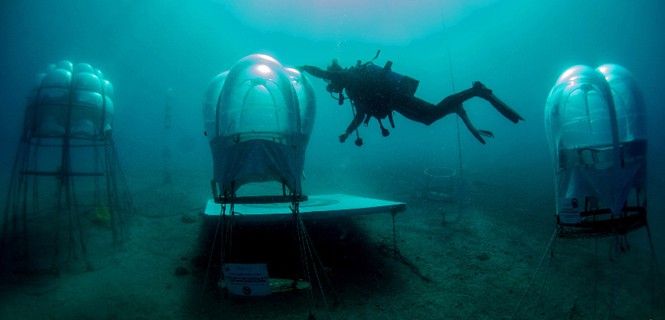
[449,105]
[422,111]
[357,120]
[454,101]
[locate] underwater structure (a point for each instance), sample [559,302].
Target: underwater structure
[258,119]
[67,195]
[263,113]
[596,127]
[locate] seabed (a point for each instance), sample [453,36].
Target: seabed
[472,259]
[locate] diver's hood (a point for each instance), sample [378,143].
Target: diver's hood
[334,86]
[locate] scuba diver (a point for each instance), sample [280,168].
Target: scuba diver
[378,91]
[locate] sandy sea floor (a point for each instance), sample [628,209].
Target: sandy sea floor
[457,261]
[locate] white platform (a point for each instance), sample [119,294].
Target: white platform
[316,207]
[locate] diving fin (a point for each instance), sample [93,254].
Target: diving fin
[504,109]
[499,105]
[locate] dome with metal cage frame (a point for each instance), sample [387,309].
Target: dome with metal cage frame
[71,99]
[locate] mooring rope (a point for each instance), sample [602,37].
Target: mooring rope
[655,271]
[229,230]
[304,261]
[212,247]
[317,265]
[618,248]
[460,158]
[110,188]
[548,247]
[119,177]
[79,226]
[310,260]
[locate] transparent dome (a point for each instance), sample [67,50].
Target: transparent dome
[306,103]
[79,91]
[595,122]
[210,102]
[628,102]
[578,109]
[257,101]
[258,117]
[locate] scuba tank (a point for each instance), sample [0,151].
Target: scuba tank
[399,85]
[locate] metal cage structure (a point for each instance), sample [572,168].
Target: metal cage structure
[67,188]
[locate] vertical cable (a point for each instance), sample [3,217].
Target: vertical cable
[460,158]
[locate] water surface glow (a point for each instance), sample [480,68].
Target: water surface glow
[385,21]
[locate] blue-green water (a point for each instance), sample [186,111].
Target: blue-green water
[518,48]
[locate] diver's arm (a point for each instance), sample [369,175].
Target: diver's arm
[317,72]
[357,120]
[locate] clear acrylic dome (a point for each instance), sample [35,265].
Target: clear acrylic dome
[79,91]
[306,102]
[578,109]
[628,102]
[595,122]
[258,101]
[210,102]
[258,117]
